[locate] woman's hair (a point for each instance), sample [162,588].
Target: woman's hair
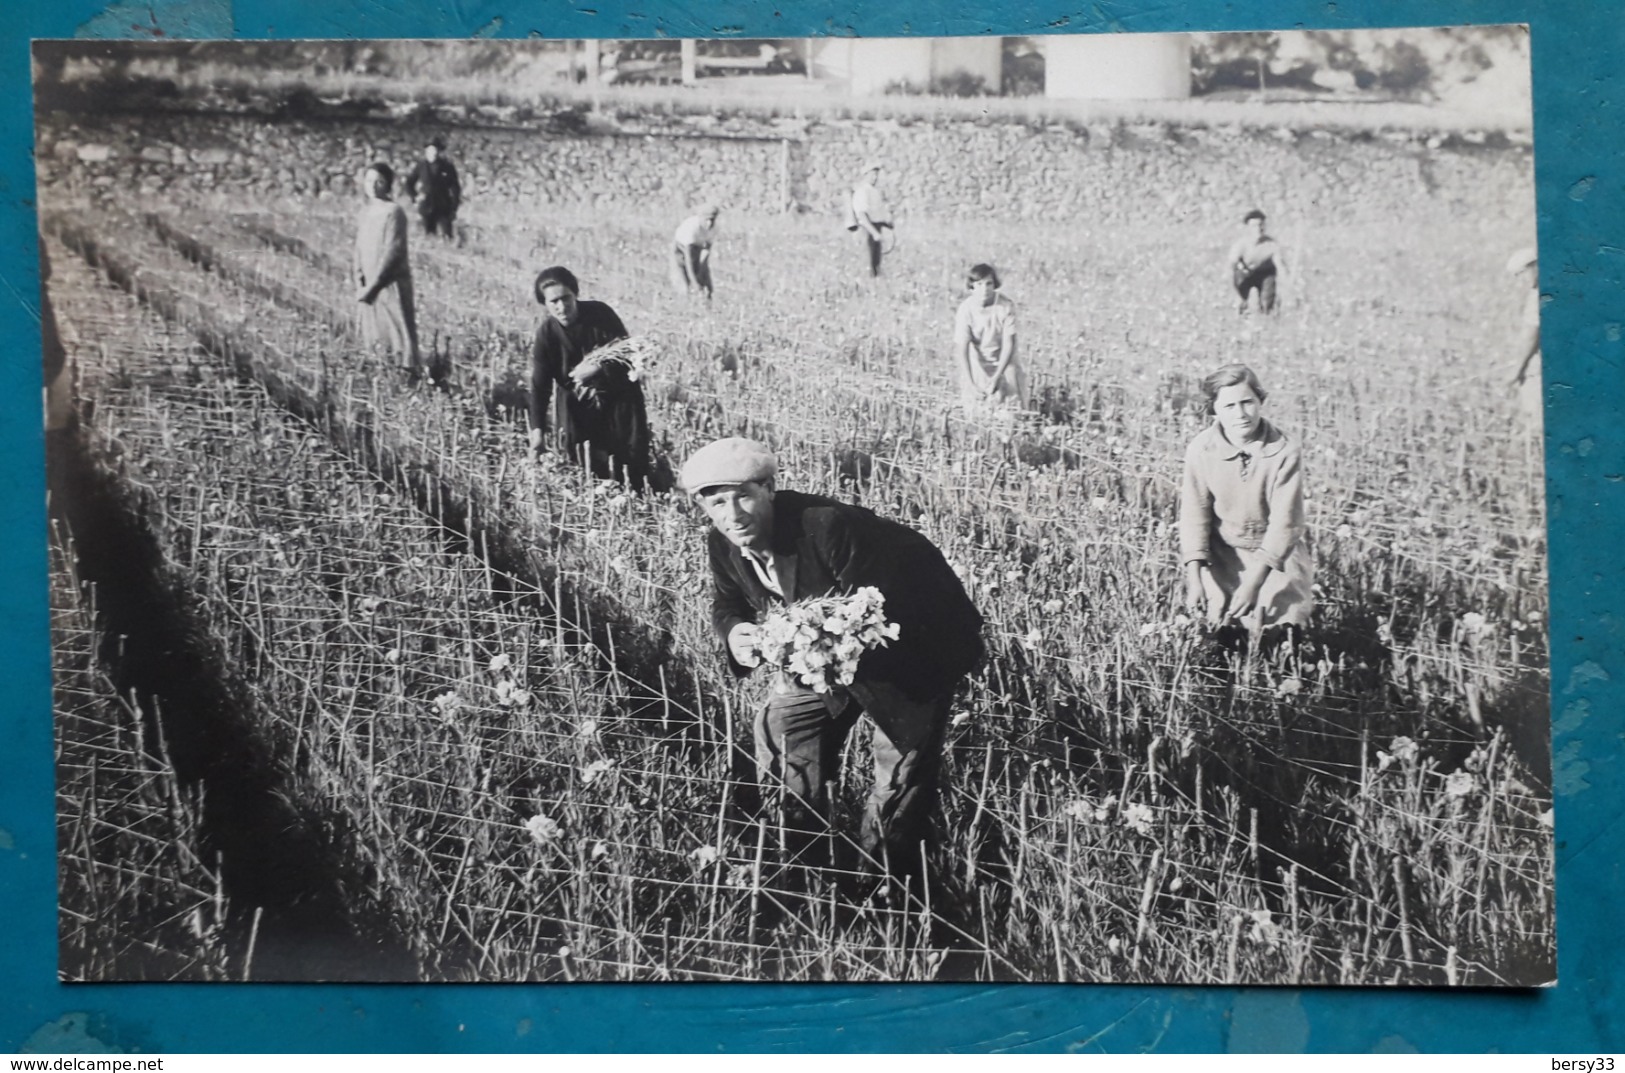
[386,173]
[981,272]
[556,274]
[1228,376]
[1255,214]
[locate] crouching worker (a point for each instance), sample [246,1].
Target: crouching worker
[772,548]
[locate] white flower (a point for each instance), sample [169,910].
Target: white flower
[1546,818]
[500,663]
[1080,810]
[1404,749]
[592,771]
[703,855]
[738,876]
[588,728]
[1033,638]
[1264,929]
[599,850]
[509,695]
[1149,628]
[960,719]
[1289,687]
[1139,818]
[543,829]
[447,703]
[1052,607]
[1099,502]
[1459,784]
[392,656]
[1115,945]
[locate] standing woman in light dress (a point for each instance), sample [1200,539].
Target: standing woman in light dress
[990,376]
[386,310]
[1243,537]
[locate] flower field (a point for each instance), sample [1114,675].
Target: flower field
[488,690]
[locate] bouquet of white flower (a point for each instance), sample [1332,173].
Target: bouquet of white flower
[818,642]
[630,359]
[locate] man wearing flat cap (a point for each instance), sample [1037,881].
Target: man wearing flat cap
[435,187]
[770,547]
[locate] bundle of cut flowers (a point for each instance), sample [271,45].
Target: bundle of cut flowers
[632,358]
[818,642]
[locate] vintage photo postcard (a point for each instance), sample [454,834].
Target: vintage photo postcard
[1058,508]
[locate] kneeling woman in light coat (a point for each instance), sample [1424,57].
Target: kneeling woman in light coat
[1242,533]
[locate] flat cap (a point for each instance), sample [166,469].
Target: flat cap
[734,460]
[1521,258]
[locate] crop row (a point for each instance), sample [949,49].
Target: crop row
[139,897]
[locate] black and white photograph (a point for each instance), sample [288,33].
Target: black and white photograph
[1064,508]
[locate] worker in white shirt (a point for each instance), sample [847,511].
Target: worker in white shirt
[691,253]
[868,213]
[1254,263]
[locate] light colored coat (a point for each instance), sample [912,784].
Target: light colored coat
[1239,506]
[390,319]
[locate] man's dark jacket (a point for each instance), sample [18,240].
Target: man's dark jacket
[437,181]
[822,547]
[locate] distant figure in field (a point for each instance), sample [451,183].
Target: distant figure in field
[433,184]
[1253,264]
[1242,533]
[601,419]
[383,272]
[772,546]
[868,213]
[1526,352]
[990,376]
[59,412]
[691,251]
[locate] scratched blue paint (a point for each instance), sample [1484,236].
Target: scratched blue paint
[1577,49]
[161,21]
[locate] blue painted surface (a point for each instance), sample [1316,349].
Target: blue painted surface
[1580,173]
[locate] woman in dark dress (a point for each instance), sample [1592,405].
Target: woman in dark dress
[600,416]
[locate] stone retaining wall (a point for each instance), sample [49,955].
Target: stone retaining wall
[1106,173]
